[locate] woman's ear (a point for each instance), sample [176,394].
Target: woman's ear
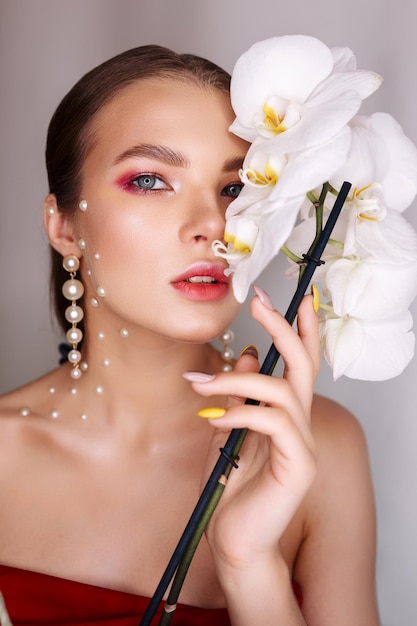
[59,228]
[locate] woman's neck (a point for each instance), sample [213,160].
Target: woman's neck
[138,383]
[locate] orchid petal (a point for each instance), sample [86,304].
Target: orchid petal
[371,290]
[342,342]
[392,239]
[242,232]
[307,169]
[343,59]
[400,182]
[369,351]
[362,82]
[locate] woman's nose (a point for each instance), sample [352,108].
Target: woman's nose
[204,220]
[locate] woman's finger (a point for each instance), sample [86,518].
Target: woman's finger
[277,424]
[274,392]
[300,353]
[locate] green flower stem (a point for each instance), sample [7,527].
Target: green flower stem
[185,563]
[313,199]
[332,190]
[336,243]
[291,255]
[319,208]
[212,492]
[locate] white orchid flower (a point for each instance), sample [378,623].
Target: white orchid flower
[382,162]
[296,89]
[367,350]
[275,187]
[390,237]
[252,254]
[369,289]
[365,329]
[296,101]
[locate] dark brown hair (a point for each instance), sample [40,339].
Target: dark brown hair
[70,135]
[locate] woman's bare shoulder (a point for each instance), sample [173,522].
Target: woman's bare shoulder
[23,408]
[332,420]
[336,560]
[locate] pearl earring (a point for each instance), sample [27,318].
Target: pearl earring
[227,353]
[73,290]
[83,205]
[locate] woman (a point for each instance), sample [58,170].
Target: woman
[102,460]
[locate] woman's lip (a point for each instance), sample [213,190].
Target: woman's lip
[211,270]
[203,292]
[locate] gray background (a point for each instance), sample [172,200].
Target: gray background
[46,45]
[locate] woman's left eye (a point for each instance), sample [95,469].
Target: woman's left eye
[232,191]
[148,182]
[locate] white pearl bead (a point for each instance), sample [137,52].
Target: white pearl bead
[76,373]
[99,390]
[81,243]
[124,332]
[51,389]
[101,292]
[71,263]
[72,289]
[74,335]
[96,256]
[100,336]
[51,210]
[83,205]
[84,416]
[73,391]
[227,367]
[228,354]
[74,356]
[94,302]
[106,362]
[84,366]
[24,411]
[54,413]
[74,314]
[228,336]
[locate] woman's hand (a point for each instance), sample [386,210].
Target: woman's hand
[277,463]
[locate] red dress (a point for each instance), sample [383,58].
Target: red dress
[35,599]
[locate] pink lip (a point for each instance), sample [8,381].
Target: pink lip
[203,292]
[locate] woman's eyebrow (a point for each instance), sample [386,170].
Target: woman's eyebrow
[154,151]
[233,164]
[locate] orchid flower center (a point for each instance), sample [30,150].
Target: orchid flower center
[256,178]
[273,120]
[278,115]
[368,203]
[240,236]
[263,171]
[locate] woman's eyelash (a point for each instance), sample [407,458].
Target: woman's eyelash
[146,182]
[232,190]
[151,182]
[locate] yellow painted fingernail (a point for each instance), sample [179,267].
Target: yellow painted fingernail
[316,298]
[251,350]
[211,412]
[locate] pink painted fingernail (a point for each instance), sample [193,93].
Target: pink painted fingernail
[198,377]
[264,298]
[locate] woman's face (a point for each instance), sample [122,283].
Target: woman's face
[161,173]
